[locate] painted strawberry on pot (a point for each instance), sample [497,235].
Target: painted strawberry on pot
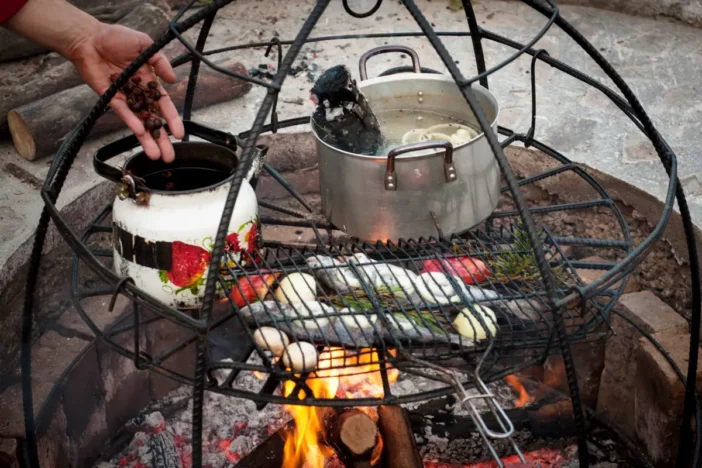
[232,243]
[189,262]
[251,236]
[244,240]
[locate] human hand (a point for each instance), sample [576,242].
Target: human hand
[108,49]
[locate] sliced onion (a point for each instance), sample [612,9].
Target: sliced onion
[296,287]
[468,325]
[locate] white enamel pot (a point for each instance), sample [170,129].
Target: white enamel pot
[165,220]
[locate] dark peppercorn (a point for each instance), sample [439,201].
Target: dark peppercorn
[152,85]
[155,133]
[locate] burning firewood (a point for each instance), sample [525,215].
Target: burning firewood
[400,447]
[354,436]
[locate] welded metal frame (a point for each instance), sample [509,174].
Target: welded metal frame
[627,102]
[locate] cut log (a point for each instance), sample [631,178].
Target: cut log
[39,128]
[14,47]
[354,435]
[400,449]
[146,17]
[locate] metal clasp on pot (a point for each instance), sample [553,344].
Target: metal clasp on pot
[449,168]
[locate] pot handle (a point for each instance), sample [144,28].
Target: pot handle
[449,168]
[130,142]
[384,50]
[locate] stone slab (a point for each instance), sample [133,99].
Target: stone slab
[126,388]
[85,410]
[686,11]
[52,354]
[619,375]
[9,453]
[162,335]
[659,394]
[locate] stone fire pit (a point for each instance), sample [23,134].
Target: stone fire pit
[85,394]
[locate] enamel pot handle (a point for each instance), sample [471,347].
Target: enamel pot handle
[130,142]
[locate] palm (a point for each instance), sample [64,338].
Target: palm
[111,51]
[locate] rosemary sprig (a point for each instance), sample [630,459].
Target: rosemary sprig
[519,263]
[360,300]
[426,319]
[387,298]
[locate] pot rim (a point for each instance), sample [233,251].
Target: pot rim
[406,77]
[177,144]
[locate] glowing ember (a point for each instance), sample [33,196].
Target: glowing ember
[518,387]
[542,458]
[339,375]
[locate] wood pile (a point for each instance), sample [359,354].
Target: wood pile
[38,113]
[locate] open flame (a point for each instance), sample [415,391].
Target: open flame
[339,375]
[523,396]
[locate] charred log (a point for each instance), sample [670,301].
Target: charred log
[400,448]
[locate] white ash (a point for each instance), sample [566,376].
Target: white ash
[233,427]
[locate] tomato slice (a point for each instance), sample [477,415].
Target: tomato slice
[470,270]
[250,288]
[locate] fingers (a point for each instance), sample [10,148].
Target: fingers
[162,68]
[166,147]
[152,150]
[170,113]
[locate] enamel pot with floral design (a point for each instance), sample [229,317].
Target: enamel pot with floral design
[165,220]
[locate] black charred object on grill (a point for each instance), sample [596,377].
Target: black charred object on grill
[343,117]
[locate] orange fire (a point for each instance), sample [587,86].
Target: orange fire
[524,397]
[339,375]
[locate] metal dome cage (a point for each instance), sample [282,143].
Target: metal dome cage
[534,315]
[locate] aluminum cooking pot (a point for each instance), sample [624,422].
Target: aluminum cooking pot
[416,187]
[165,219]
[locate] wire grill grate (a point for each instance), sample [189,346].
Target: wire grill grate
[406,296]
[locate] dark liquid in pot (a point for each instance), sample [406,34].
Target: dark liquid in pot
[184,179]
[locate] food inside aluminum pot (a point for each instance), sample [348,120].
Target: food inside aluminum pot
[345,120]
[402,127]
